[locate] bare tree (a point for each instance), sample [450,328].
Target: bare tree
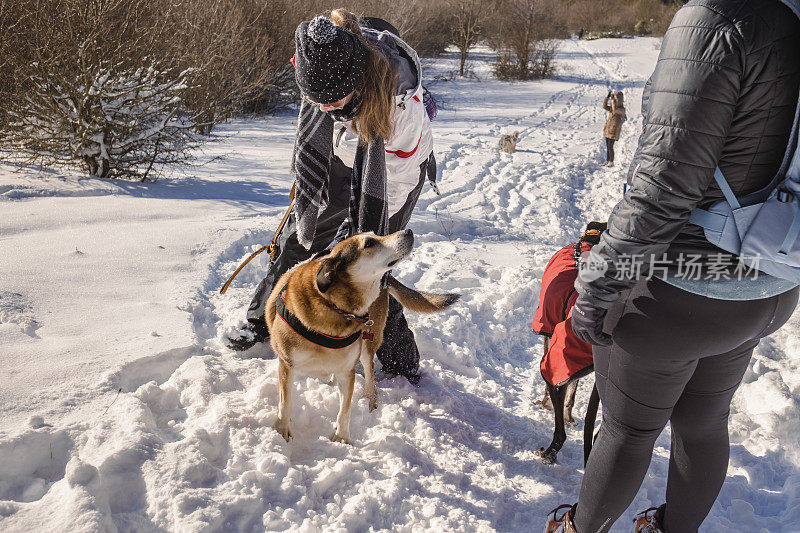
[468,16]
[525,39]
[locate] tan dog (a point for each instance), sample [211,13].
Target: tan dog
[339,296]
[508,143]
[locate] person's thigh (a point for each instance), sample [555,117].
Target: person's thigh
[639,364]
[400,219]
[623,375]
[675,324]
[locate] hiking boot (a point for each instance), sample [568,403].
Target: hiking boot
[562,523]
[649,521]
[251,334]
[413,377]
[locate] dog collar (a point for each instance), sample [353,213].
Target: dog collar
[315,337]
[350,316]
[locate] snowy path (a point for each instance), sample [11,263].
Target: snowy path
[188,445]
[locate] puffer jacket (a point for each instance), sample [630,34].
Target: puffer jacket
[724,92]
[616,115]
[411,142]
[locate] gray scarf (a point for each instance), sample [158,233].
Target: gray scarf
[312,153]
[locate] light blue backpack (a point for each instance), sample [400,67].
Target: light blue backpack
[763,227]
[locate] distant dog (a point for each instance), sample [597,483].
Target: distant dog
[326,313]
[508,143]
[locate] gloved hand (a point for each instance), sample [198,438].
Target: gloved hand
[588,315]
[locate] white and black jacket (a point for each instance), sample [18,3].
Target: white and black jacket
[411,142]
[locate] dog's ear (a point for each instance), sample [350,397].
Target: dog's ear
[326,274]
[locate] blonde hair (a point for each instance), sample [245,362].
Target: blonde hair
[346,19]
[378,88]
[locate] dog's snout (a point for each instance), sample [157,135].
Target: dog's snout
[408,237]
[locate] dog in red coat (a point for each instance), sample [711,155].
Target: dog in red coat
[566,357]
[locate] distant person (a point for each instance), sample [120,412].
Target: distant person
[615,105]
[364,148]
[580,32]
[674,348]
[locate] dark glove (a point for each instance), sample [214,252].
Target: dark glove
[588,315]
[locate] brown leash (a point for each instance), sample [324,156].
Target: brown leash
[272,247]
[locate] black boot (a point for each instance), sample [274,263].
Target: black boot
[252,333]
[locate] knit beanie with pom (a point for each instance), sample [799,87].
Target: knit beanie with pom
[329,60]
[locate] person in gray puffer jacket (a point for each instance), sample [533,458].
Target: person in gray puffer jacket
[724,93]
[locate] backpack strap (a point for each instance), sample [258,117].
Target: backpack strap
[708,220]
[715,221]
[791,235]
[726,189]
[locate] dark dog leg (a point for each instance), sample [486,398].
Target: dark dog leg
[557,395]
[545,402]
[569,401]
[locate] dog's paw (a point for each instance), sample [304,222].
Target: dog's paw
[570,421]
[373,404]
[283,430]
[547,456]
[336,437]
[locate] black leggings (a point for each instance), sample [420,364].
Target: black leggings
[676,357]
[609,150]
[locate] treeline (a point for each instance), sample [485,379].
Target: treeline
[125,87]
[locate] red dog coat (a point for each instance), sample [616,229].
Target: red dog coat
[567,355]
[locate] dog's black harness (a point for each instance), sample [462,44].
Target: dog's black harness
[320,339]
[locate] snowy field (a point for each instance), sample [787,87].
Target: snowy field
[109,286]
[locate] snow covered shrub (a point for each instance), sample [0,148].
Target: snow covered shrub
[112,121]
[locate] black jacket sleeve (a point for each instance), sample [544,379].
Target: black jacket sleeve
[689,103]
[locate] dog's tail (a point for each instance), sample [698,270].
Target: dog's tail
[422,302]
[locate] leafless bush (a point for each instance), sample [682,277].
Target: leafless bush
[620,16]
[541,63]
[240,51]
[423,24]
[428,34]
[524,39]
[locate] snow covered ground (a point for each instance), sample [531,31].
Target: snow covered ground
[109,286]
